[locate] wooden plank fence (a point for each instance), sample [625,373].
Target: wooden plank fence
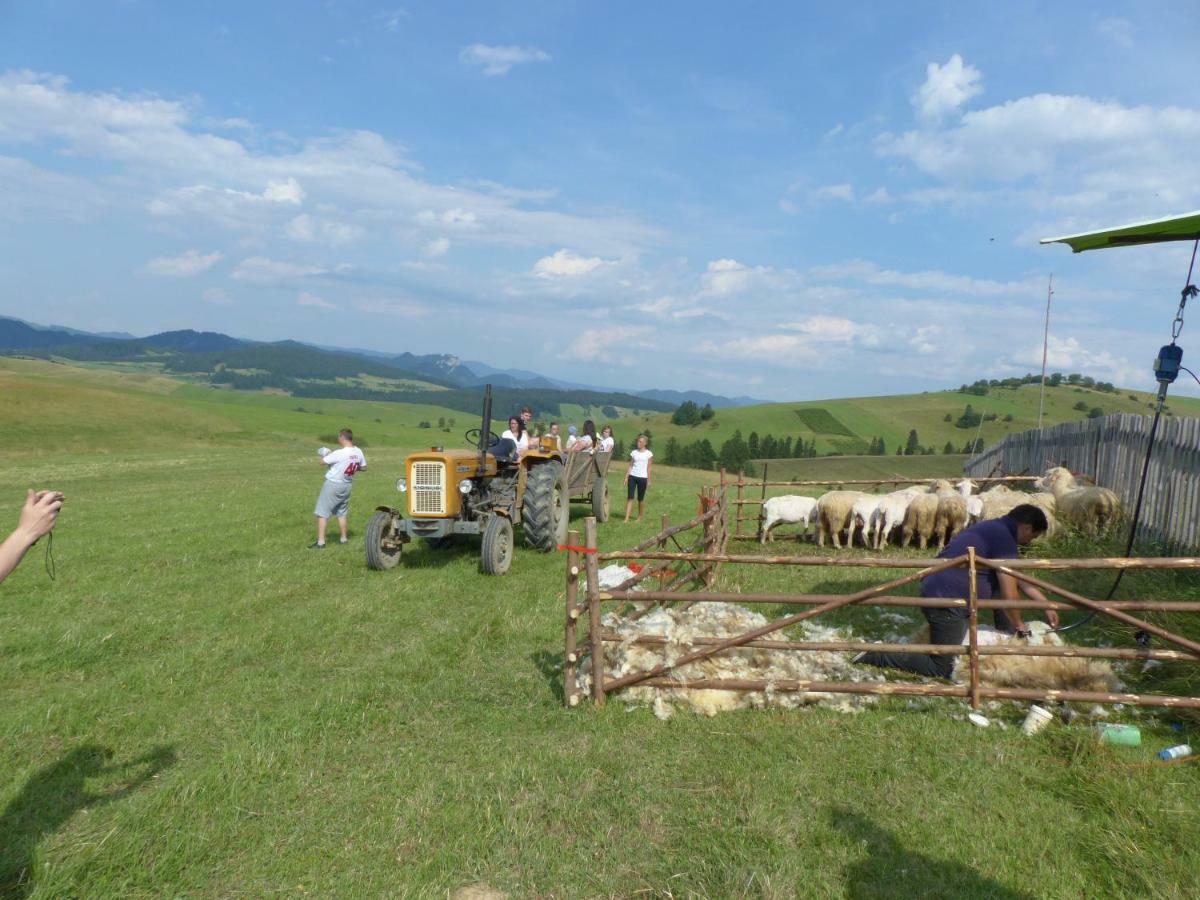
[1111,450]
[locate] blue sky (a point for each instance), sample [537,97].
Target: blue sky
[782,200]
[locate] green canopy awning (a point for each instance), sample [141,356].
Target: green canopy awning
[1185,227]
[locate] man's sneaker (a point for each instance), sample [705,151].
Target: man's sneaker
[316,545]
[343,541]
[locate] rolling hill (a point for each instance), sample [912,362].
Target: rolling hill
[849,425]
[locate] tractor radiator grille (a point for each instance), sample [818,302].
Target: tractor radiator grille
[427,490]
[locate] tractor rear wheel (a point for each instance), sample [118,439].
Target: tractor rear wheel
[497,549]
[546,510]
[383,550]
[600,500]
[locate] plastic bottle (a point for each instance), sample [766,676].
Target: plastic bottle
[1120,735]
[1177,752]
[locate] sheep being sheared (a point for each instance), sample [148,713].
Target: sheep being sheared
[833,515]
[1074,673]
[790,510]
[1093,510]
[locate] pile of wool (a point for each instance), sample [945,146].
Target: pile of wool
[681,627]
[1063,673]
[614,575]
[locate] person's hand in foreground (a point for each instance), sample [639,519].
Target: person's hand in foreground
[37,519]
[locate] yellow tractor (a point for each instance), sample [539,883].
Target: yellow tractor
[488,491]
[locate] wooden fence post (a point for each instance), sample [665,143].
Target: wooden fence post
[571,654]
[741,490]
[593,599]
[761,506]
[662,545]
[973,628]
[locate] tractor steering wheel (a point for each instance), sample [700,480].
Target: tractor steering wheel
[472,437]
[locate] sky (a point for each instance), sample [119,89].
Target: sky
[782,200]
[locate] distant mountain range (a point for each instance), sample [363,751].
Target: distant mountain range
[438,369]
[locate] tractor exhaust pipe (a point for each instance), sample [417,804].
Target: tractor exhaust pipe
[486,428]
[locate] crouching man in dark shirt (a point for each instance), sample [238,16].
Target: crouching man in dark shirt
[992,539]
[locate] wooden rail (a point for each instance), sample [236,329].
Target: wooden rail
[713,522]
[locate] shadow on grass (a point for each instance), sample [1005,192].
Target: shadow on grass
[54,794]
[891,870]
[550,665]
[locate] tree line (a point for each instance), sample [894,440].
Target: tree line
[981,387]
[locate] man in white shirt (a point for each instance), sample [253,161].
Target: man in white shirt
[334,499]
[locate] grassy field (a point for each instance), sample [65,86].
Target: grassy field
[891,417]
[199,706]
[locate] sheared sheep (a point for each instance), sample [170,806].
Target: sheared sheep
[1093,510]
[833,514]
[920,519]
[789,510]
[864,515]
[889,514]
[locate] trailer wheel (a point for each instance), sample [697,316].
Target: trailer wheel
[546,511]
[497,550]
[383,550]
[600,500]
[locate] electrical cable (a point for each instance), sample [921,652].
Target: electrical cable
[1190,372]
[51,568]
[1189,290]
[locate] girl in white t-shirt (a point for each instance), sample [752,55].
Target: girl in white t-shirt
[606,442]
[587,440]
[637,478]
[517,434]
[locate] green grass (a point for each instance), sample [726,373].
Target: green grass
[200,706]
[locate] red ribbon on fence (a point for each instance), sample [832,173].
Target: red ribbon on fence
[578,549]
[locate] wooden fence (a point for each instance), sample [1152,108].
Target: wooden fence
[1111,450]
[664,675]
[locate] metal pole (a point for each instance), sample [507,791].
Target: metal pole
[1045,347]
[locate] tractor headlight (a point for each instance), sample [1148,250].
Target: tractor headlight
[465,486]
[401,485]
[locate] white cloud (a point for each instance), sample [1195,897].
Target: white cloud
[669,308]
[1070,355]
[261,270]
[498,60]
[727,277]
[864,271]
[402,308]
[567,264]
[187,264]
[306,229]
[611,344]
[1117,30]
[301,228]
[216,296]
[307,299]
[946,88]
[879,195]
[390,19]
[437,247]
[843,192]
[286,191]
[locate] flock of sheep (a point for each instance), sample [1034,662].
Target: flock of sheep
[935,513]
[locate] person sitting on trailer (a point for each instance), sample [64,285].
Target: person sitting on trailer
[992,539]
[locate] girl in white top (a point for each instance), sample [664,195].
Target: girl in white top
[517,434]
[587,440]
[637,478]
[606,442]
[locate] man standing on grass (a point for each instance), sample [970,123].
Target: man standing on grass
[992,539]
[334,499]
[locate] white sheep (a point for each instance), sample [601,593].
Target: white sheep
[974,503]
[864,514]
[1093,510]
[889,514]
[920,519]
[788,510]
[951,516]
[833,514]
[1001,500]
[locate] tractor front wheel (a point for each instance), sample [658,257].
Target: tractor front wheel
[383,549]
[497,550]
